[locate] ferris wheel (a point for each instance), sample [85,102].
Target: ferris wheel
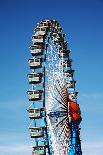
[54,112]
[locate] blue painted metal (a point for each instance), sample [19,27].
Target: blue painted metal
[74,141]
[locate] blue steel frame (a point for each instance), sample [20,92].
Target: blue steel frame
[74,141]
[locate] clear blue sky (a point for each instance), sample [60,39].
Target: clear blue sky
[82,21]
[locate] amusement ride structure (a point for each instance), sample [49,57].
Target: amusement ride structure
[54,112]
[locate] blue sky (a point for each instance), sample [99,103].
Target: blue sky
[82,21]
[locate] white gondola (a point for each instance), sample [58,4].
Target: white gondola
[46,21]
[39,38]
[36,132]
[39,150]
[36,51]
[71,84]
[64,45]
[69,73]
[36,113]
[40,31]
[73,95]
[35,63]
[43,25]
[34,95]
[64,53]
[59,39]
[34,78]
[59,28]
[37,48]
[66,63]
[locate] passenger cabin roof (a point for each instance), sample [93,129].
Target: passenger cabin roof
[35,91]
[34,73]
[35,109]
[37,128]
[35,59]
[41,146]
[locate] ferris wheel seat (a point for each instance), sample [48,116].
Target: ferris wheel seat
[65,55]
[34,95]
[66,63]
[35,113]
[71,84]
[43,25]
[60,29]
[73,95]
[36,132]
[38,38]
[58,38]
[69,73]
[34,78]
[39,150]
[36,52]
[35,63]
[40,31]
[64,52]
[37,48]
[38,45]
[35,40]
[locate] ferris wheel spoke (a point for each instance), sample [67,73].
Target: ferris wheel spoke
[63,108]
[63,89]
[62,99]
[65,95]
[61,103]
[62,131]
[67,129]
[64,128]
[58,101]
[60,123]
